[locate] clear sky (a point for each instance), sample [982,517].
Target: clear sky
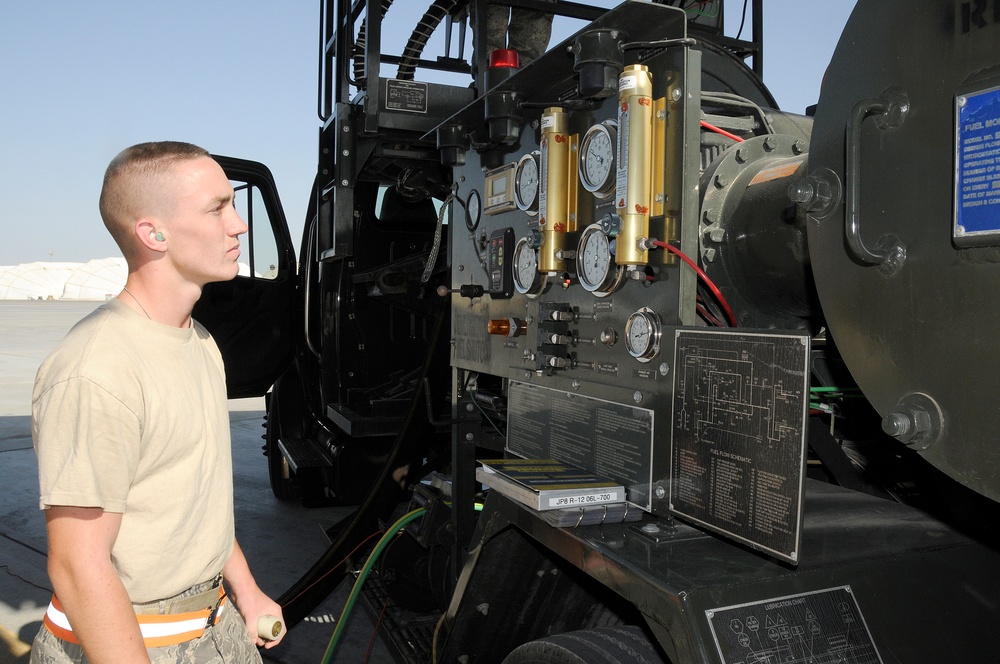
[79,81]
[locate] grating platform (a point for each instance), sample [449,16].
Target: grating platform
[408,634]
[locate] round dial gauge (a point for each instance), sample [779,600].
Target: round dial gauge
[473,209]
[595,267]
[526,183]
[527,279]
[642,334]
[597,159]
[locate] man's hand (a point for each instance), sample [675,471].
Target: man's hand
[249,598]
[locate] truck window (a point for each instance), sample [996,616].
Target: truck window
[259,258]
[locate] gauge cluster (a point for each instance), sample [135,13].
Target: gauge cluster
[552,203]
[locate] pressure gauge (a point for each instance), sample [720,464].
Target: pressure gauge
[526,183]
[597,159]
[473,209]
[642,334]
[527,279]
[595,267]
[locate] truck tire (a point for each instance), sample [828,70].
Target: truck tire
[283,487]
[606,645]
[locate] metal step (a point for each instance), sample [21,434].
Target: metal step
[303,453]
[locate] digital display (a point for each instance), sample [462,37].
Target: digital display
[499,184]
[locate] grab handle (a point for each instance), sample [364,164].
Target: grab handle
[889,111]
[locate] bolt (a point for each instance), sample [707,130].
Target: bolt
[675,94]
[712,216]
[637,397]
[650,528]
[347,129]
[664,369]
[710,254]
[907,424]
[801,192]
[721,181]
[896,424]
[576,384]
[344,182]
[718,234]
[345,152]
[798,147]
[742,155]
[660,492]
[469,407]
[470,437]
[461,268]
[770,143]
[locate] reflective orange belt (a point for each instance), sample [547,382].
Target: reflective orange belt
[157,630]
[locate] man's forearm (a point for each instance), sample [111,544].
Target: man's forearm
[99,612]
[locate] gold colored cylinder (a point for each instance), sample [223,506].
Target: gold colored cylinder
[554,218]
[635,162]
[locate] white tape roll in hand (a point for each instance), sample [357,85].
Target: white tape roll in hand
[269,628]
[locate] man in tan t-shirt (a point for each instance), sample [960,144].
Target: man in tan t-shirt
[131,428]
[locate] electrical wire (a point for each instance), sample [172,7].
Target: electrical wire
[378,623]
[693,10]
[334,568]
[742,20]
[719,130]
[730,316]
[708,316]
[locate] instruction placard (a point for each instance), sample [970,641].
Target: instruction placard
[977,168]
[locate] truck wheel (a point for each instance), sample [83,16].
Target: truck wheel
[606,645]
[279,474]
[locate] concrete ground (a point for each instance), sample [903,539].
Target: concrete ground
[280,540]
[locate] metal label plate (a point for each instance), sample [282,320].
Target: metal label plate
[977,168]
[738,453]
[820,626]
[406,96]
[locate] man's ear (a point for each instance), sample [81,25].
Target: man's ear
[150,235]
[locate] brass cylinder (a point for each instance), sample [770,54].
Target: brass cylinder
[554,217]
[635,162]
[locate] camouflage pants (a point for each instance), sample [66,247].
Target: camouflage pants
[523,30]
[227,641]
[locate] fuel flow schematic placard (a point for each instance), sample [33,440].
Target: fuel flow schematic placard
[738,450]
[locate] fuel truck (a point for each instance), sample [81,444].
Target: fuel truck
[776,331]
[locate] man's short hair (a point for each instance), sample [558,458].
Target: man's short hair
[134,183]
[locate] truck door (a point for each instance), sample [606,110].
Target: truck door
[253,317]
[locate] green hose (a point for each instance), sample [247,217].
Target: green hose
[390,533]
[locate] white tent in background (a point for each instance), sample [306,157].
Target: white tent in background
[98,279]
[35,281]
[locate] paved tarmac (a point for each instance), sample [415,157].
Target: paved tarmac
[280,540]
